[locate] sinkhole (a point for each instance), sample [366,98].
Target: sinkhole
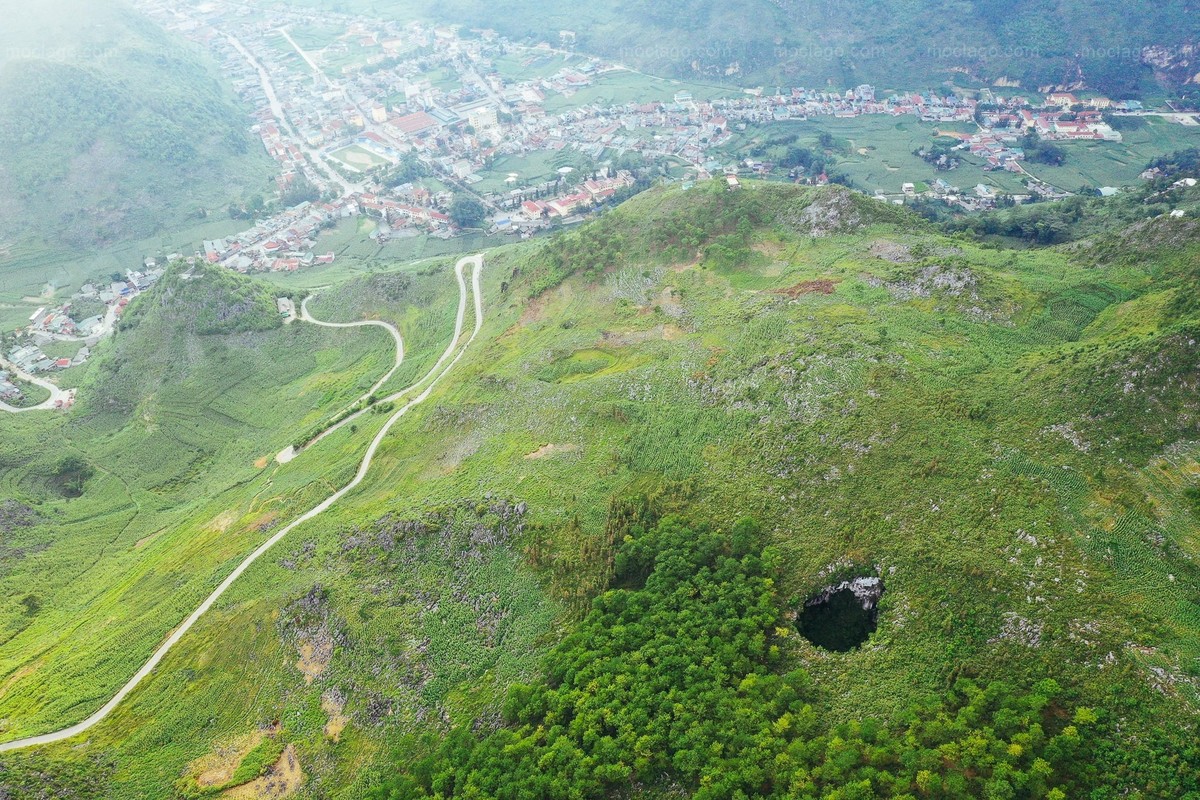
[843,616]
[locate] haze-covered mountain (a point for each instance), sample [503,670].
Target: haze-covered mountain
[110,128]
[1036,43]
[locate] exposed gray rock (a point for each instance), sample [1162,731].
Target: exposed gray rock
[868,590]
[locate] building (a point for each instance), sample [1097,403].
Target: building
[482,119]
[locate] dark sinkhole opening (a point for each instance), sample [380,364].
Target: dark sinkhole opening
[842,617]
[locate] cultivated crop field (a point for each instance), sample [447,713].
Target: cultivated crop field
[877,153]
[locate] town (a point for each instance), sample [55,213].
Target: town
[395,121]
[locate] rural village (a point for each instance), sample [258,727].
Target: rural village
[419,113]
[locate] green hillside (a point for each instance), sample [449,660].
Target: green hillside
[111,130]
[892,44]
[188,406]
[581,567]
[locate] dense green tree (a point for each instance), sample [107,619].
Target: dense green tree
[466,211]
[675,683]
[300,191]
[408,170]
[1042,152]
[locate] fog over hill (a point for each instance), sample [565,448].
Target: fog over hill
[110,128]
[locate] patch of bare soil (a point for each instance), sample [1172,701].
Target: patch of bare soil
[333,703]
[15,515]
[770,249]
[283,779]
[222,521]
[535,311]
[217,768]
[890,251]
[823,286]
[626,338]
[550,449]
[315,654]
[145,540]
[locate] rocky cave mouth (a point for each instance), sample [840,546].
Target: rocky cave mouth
[843,616]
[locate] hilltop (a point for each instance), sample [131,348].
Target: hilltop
[111,129]
[684,428]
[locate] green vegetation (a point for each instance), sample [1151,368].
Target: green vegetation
[879,153]
[466,211]
[179,417]
[112,130]
[409,169]
[1143,211]
[120,140]
[1185,162]
[547,553]
[580,364]
[208,300]
[31,393]
[1042,152]
[672,685]
[84,308]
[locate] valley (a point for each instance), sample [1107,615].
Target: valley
[508,404]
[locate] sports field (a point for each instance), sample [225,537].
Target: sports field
[359,158]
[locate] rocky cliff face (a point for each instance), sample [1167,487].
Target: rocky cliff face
[868,590]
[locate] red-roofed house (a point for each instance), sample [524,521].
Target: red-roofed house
[413,124]
[533,208]
[564,206]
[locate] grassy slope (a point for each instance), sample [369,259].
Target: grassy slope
[961,419]
[112,130]
[179,429]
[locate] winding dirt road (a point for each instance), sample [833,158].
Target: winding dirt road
[433,376]
[290,452]
[387,326]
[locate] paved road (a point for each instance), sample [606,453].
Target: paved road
[387,326]
[315,67]
[74,730]
[290,452]
[57,394]
[264,78]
